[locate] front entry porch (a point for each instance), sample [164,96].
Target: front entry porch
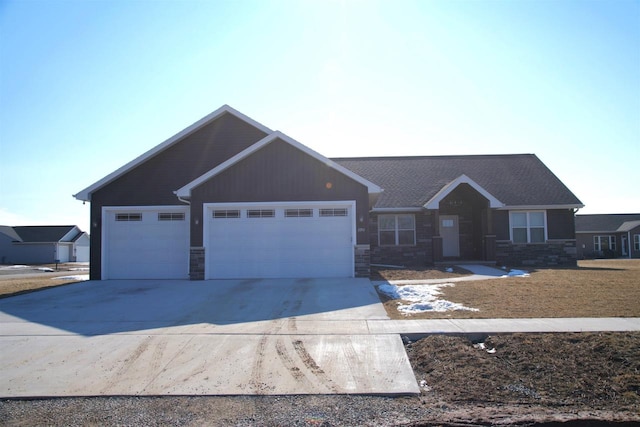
[463,227]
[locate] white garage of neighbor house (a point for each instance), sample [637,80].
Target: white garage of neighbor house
[43,244]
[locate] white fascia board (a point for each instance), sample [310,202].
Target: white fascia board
[539,207]
[434,202]
[391,210]
[185,192]
[85,195]
[73,231]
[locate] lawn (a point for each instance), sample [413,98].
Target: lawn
[598,288]
[18,284]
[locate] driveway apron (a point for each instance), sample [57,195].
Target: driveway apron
[225,337]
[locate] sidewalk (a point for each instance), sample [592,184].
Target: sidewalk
[497,326]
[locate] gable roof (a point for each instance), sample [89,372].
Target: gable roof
[10,232]
[606,223]
[515,180]
[43,233]
[434,202]
[85,194]
[185,191]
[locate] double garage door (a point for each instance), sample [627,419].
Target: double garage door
[311,239]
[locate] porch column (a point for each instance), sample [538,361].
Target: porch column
[437,239]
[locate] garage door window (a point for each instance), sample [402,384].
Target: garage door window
[298,213]
[171,216]
[333,212]
[226,213]
[261,213]
[129,217]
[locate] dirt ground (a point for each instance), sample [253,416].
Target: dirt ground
[599,288]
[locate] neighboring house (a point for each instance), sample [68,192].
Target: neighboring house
[43,244]
[229,198]
[608,236]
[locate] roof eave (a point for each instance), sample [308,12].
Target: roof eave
[434,202]
[540,207]
[185,191]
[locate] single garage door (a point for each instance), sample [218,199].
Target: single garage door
[279,240]
[143,243]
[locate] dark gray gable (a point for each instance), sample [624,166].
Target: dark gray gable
[606,223]
[515,180]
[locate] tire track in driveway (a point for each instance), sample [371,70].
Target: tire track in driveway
[312,366]
[126,365]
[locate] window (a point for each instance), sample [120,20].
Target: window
[395,230]
[604,243]
[260,213]
[226,213]
[528,227]
[636,242]
[129,217]
[171,216]
[333,212]
[298,213]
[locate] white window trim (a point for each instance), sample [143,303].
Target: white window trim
[528,242]
[396,230]
[613,246]
[636,242]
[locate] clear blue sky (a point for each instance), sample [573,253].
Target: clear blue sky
[86,86]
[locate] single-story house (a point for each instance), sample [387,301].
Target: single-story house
[229,198]
[43,244]
[608,236]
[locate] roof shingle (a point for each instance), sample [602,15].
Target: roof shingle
[607,223]
[514,179]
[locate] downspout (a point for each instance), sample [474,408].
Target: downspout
[181,199]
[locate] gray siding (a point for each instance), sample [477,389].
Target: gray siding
[154,181]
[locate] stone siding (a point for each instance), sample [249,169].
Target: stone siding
[549,254]
[196,263]
[362,260]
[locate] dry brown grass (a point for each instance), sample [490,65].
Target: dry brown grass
[17,286]
[600,288]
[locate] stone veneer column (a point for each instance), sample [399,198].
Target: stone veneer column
[196,263]
[362,260]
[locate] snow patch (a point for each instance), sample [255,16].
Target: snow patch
[516,273]
[45,269]
[14,267]
[421,298]
[78,277]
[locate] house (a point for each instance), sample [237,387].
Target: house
[608,236]
[229,198]
[43,244]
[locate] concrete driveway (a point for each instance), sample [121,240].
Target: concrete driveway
[148,337]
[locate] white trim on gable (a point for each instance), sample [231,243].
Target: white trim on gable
[434,202]
[185,191]
[85,195]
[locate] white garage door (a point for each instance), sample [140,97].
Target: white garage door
[145,243]
[279,240]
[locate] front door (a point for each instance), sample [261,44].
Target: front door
[624,245]
[450,235]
